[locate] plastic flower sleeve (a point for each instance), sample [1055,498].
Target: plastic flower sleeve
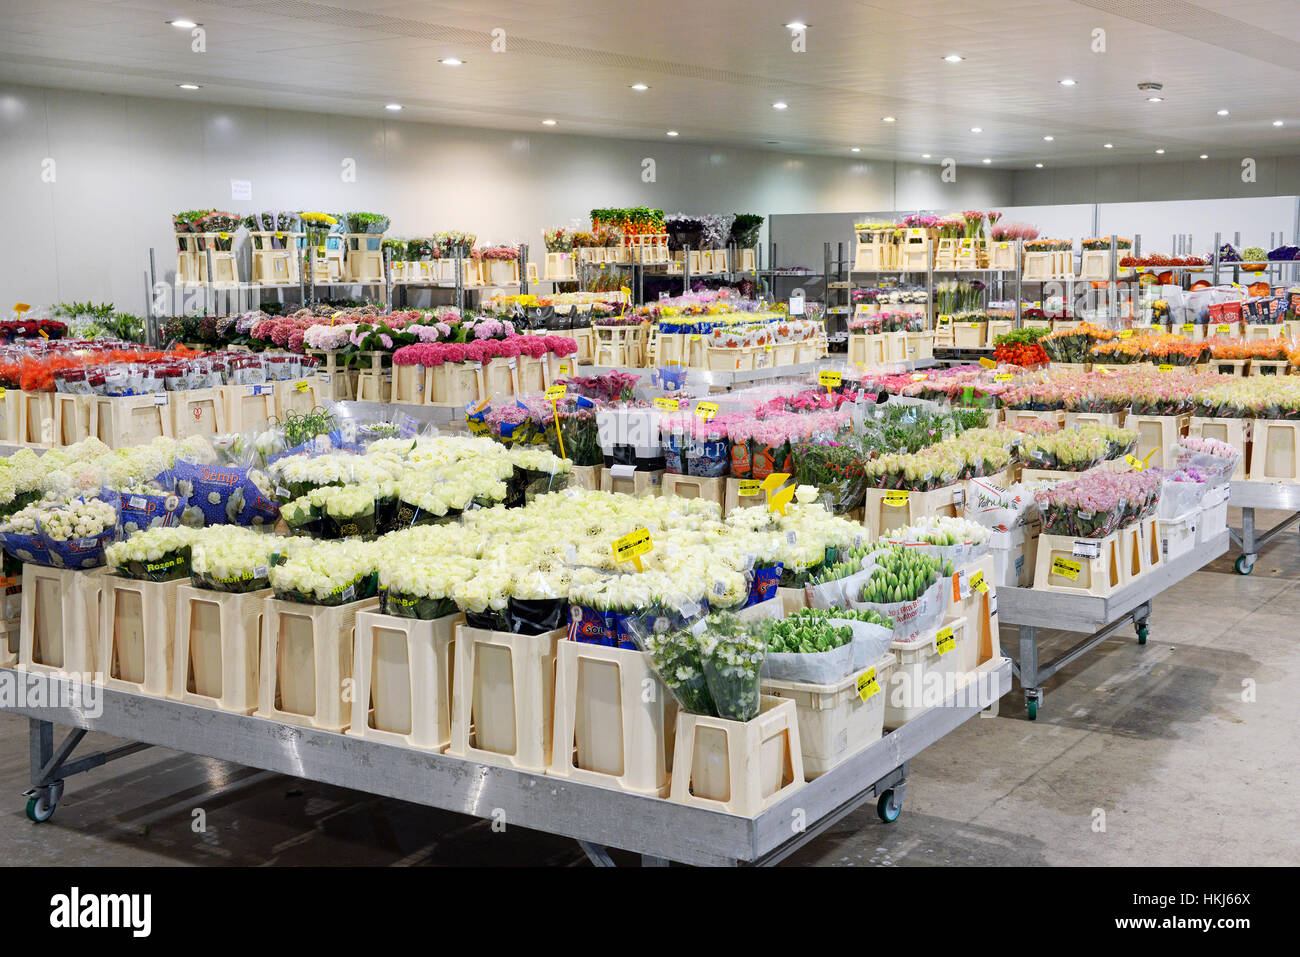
[76,534]
[675,657]
[812,649]
[732,658]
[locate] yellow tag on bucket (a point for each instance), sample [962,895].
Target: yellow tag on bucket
[897,498]
[556,392]
[829,378]
[944,642]
[632,546]
[749,488]
[868,686]
[301,386]
[989,363]
[666,405]
[978,583]
[706,411]
[1066,568]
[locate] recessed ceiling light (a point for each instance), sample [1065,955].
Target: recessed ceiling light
[796,25]
[395,107]
[925,156]
[640,87]
[1223,113]
[887,119]
[1277,122]
[189,86]
[1160,152]
[977,129]
[672,132]
[1049,138]
[779,105]
[1108,146]
[1205,156]
[548,122]
[1038,166]
[855,149]
[1066,82]
[954,58]
[450,61]
[183,24]
[1155,99]
[986,160]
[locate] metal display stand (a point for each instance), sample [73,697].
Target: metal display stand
[1279,496]
[597,817]
[1031,609]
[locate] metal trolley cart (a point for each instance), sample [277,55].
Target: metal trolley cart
[1097,617]
[598,818]
[1281,496]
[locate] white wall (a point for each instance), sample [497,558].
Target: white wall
[1153,182]
[123,165]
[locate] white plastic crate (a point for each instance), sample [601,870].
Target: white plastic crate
[928,670]
[1214,514]
[836,720]
[1178,535]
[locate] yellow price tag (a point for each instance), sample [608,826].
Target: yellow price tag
[1126,333]
[706,411]
[301,385]
[773,481]
[2,392]
[21,307]
[279,235]
[978,583]
[989,363]
[695,338]
[944,641]
[1066,568]
[1165,367]
[667,405]
[224,235]
[944,321]
[750,487]
[1135,463]
[632,546]
[624,290]
[556,392]
[868,686]
[897,498]
[919,376]
[1189,327]
[1003,377]
[1223,329]
[829,378]
[564,368]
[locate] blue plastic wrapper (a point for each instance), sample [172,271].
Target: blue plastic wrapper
[80,552]
[27,548]
[220,495]
[672,446]
[138,511]
[765,583]
[589,626]
[708,459]
[617,623]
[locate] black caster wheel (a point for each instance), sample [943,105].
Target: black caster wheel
[887,808]
[1031,705]
[1142,634]
[40,808]
[1244,565]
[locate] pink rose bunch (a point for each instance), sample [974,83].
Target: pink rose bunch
[1098,502]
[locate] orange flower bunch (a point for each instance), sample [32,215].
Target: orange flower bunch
[1229,349]
[1272,349]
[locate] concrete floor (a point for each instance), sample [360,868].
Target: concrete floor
[1156,737]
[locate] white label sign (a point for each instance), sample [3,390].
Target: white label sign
[241,189]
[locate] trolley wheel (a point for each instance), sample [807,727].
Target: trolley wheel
[1142,633]
[1031,705]
[1244,565]
[888,808]
[40,808]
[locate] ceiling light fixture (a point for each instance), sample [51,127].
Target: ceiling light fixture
[1205,156]
[450,61]
[1049,138]
[796,26]
[887,119]
[1277,122]
[953,58]
[548,122]
[986,160]
[855,149]
[189,86]
[1223,113]
[640,87]
[672,132]
[1108,146]
[977,129]
[1066,82]
[779,105]
[1160,152]
[925,156]
[1038,166]
[1155,99]
[395,107]
[183,24]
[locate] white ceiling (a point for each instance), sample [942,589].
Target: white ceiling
[714,68]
